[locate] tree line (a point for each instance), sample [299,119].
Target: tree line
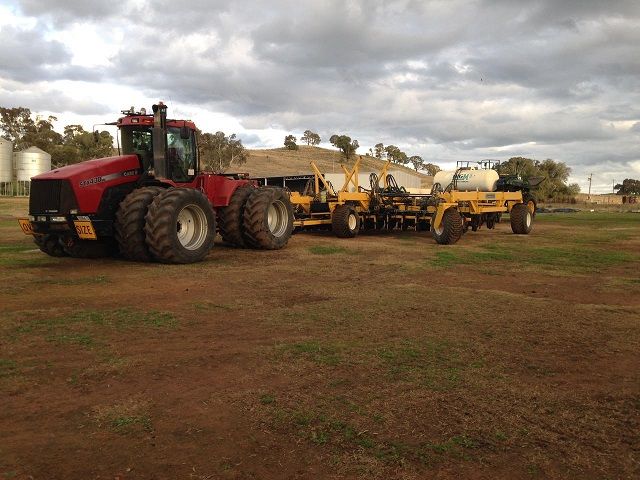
[348,148]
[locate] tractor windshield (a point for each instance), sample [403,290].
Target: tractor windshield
[181,152]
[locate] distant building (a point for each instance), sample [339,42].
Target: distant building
[606,199]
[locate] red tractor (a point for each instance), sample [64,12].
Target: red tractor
[152,202]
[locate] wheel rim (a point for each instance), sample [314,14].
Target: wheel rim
[531,206]
[353,221]
[192,227]
[527,219]
[277,218]
[440,229]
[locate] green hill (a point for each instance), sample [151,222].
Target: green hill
[281,161]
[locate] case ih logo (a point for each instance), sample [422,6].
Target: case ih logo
[106,178]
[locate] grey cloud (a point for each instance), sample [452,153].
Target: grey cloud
[39,98]
[457,78]
[68,11]
[26,55]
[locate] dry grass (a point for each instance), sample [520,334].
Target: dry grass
[281,161]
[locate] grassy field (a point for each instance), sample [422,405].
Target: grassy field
[383,356]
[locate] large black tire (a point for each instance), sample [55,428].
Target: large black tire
[345,221]
[450,229]
[50,244]
[231,217]
[130,222]
[521,219]
[180,226]
[530,201]
[90,248]
[268,219]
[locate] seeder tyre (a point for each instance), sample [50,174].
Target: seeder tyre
[345,221]
[268,219]
[180,226]
[521,219]
[450,229]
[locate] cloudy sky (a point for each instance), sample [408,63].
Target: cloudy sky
[449,80]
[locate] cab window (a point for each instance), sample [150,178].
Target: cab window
[181,156]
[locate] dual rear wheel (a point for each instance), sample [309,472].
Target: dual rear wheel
[259,218]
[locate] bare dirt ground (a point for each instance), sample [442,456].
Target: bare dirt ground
[384,356]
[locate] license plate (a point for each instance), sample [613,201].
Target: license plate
[84,229]
[26,226]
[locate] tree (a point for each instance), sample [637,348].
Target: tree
[431,169]
[15,123]
[555,175]
[311,138]
[378,151]
[218,152]
[417,162]
[290,142]
[519,166]
[79,145]
[344,143]
[629,186]
[396,155]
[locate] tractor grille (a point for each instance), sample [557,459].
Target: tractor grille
[51,196]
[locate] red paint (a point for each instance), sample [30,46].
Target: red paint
[219,188]
[88,197]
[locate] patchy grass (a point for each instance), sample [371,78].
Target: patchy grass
[127,417]
[321,353]
[68,282]
[8,367]
[327,249]
[577,258]
[79,328]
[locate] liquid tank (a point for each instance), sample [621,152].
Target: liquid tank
[6,161]
[469,180]
[31,162]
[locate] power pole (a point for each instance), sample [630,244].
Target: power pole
[613,186]
[590,178]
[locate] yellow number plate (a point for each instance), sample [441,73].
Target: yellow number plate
[84,229]
[26,226]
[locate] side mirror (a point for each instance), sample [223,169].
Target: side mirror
[96,136]
[185,133]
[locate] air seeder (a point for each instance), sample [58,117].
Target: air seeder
[461,199]
[151,201]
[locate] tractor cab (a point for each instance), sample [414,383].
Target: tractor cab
[167,148]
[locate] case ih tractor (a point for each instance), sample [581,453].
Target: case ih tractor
[152,202]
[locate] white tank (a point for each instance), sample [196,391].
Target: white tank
[31,162]
[469,180]
[6,161]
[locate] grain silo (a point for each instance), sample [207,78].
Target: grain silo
[6,167]
[29,163]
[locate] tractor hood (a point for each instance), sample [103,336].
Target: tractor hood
[91,178]
[90,169]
